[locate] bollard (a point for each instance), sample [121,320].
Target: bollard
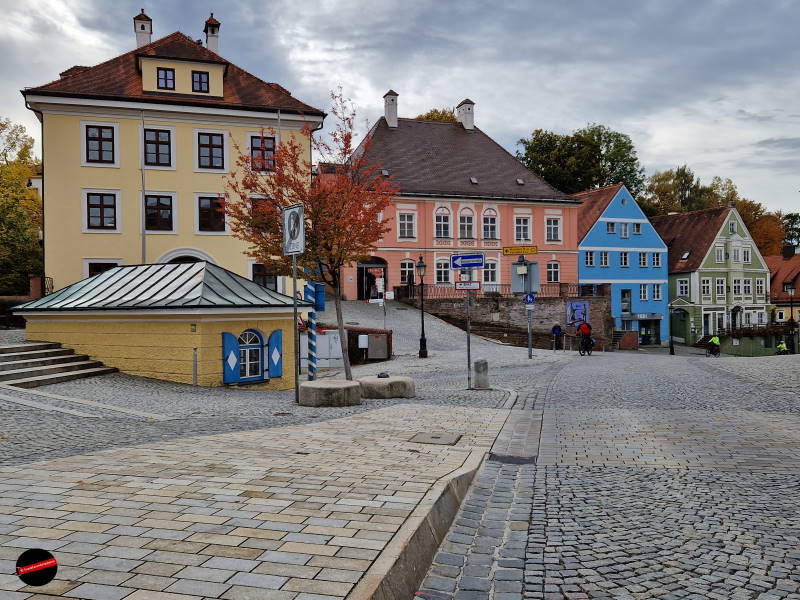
[481,375]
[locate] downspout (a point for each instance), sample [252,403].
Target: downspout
[142,208]
[40,116]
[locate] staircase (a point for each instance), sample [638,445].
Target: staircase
[616,337]
[702,342]
[43,363]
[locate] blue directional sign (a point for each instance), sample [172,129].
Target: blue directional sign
[466,261]
[529,298]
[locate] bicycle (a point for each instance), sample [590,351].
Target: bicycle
[585,347]
[712,351]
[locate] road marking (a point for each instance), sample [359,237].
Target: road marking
[91,403]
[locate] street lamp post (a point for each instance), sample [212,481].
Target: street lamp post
[423,343]
[789,289]
[669,324]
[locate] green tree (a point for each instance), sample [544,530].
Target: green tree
[15,143]
[591,157]
[791,227]
[439,114]
[675,190]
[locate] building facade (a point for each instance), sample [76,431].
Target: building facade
[461,192]
[619,246]
[718,279]
[785,285]
[135,151]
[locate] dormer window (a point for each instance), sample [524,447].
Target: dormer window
[166,79]
[200,81]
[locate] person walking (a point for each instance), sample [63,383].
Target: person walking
[585,331]
[558,336]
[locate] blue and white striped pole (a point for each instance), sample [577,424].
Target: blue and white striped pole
[310,294]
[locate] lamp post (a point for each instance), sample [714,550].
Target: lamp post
[423,343]
[669,324]
[789,289]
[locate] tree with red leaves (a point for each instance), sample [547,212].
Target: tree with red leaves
[342,205]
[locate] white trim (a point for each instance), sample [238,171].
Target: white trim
[173,157]
[171,108]
[107,261]
[176,252]
[621,220]
[112,124]
[553,211]
[622,249]
[85,210]
[174,196]
[225,152]
[191,312]
[631,281]
[406,206]
[523,211]
[560,219]
[414,225]
[197,196]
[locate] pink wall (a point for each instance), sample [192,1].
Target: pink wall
[394,249]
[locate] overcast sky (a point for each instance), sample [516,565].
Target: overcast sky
[712,84]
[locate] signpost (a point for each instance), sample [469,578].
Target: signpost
[519,250]
[466,261]
[294,243]
[460,262]
[529,299]
[468,285]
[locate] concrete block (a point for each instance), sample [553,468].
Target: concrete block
[481,375]
[387,387]
[330,392]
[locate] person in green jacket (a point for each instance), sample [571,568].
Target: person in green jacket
[713,345]
[782,348]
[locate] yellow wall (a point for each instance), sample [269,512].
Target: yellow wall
[161,347]
[66,246]
[183,76]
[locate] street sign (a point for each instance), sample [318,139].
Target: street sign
[529,298]
[294,230]
[518,250]
[468,285]
[466,261]
[529,307]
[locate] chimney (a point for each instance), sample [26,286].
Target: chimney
[788,251]
[212,34]
[143,28]
[390,108]
[465,114]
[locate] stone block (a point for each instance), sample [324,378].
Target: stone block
[330,392]
[387,387]
[481,375]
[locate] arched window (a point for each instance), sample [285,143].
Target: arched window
[442,271]
[407,272]
[250,355]
[490,224]
[442,222]
[466,224]
[553,272]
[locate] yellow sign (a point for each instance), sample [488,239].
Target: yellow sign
[518,250]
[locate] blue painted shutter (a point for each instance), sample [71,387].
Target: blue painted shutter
[275,353]
[230,358]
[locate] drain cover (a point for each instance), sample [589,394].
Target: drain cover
[282,415]
[443,439]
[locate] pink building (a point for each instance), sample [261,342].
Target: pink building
[460,191]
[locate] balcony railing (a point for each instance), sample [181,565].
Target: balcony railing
[498,290]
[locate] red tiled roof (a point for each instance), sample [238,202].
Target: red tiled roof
[120,79]
[211,20]
[691,232]
[593,203]
[437,159]
[783,270]
[142,17]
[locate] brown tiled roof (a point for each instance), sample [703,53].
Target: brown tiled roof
[593,203]
[437,159]
[783,270]
[692,232]
[211,20]
[120,79]
[142,17]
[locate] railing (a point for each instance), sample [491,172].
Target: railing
[48,286]
[497,290]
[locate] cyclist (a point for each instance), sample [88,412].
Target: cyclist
[713,345]
[782,348]
[585,331]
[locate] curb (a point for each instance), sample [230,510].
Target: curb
[400,568]
[511,400]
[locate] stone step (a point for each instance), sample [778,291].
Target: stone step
[29,363]
[6,376]
[15,356]
[31,382]
[28,347]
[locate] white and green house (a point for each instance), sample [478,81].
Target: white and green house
[718,280]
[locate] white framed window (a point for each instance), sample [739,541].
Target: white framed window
[643,259]
[406,225]
[642,291]
[762,318]
[732,227]
[158,147]
[719,254]
[720,287]
[683,287]
[442,271]
[747,287]
[209,215]
[656,291]
[611,227]
[100,145]
[637,229]
[748,318]
[624,230]
[737,287]
[211,150]
[102,210]
[553,229]
[737,255]
[490,224]
[746,254]
[656,259]
[760,287]
[553,272]
[780,316]
[623,259]
[490,272]
[705,287]
[161,212]
[94,266]
[442,223]
[603,258]
[407,272]
[522,229]
[589,258]
[466,224]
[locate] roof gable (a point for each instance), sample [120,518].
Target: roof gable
[782,270]
[692,233]
[593,203]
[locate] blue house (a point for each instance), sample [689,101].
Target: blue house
[618,245]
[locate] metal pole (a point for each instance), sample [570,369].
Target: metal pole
[312,346]
[530,331]
[142,206]
[423,342]
[469,339]
[669,324]
[296,332]
[194,366]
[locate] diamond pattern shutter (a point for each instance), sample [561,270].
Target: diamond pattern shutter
[275,354]
[230,358]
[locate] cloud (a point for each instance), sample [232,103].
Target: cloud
[783,144]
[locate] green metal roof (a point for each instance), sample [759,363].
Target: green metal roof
[167,286]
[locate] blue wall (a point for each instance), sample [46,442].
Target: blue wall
[621,211]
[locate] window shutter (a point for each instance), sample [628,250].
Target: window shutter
[230,358]
[275,354]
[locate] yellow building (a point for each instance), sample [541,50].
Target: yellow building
[135,152]
[190,323]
